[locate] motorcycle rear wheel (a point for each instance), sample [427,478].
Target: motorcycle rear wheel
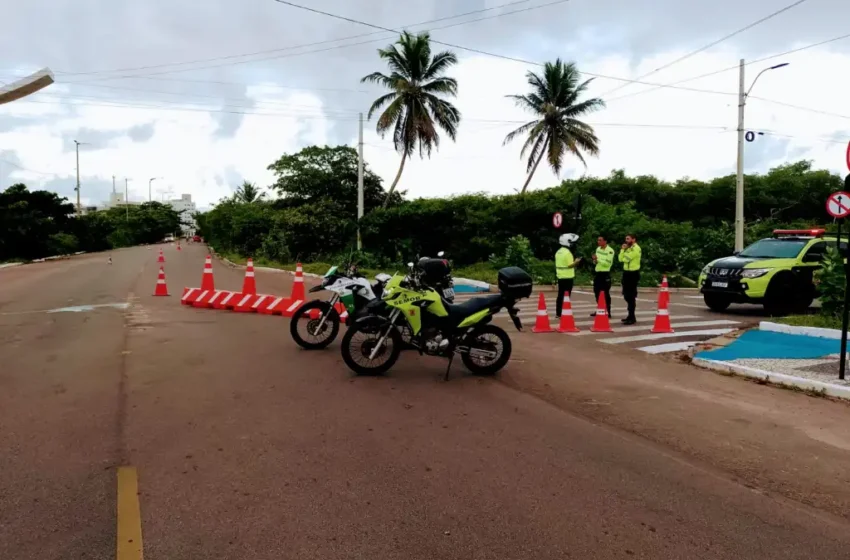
[478,340]
[330,329]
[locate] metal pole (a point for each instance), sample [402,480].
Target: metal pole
[127,197]
[843,359]
[113,184]
[79,210]
[360,183]
[739,184]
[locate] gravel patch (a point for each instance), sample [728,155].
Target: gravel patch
[824,370]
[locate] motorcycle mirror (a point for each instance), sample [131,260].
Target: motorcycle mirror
[441,253]
[410,265]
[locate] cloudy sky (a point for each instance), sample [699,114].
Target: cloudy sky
[204,95]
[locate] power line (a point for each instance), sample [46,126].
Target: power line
[728,68]
[30,170]
[334,47]
[478,51]
[808,109]
[711,44]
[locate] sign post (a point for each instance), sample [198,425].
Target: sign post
[843,360]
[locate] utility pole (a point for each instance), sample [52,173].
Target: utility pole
[127,197]
[739,183]
[360,183]
[113,184]
[150,196]
[79,209]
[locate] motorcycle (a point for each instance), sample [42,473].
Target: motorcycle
[372,345]
[355,292]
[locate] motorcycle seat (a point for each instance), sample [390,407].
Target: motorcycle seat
[460,311]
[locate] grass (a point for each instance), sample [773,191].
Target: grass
[820,321]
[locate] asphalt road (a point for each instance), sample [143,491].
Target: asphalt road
[247,447]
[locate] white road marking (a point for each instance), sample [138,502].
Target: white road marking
[638,328]
[659,336]
[669,347]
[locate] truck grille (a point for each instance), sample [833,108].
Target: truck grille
[730,273]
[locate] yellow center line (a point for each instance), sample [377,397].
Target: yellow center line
[129,515]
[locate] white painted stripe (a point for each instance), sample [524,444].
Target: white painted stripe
[215,296]
[693,297]
[542,312]
[707,332]
[259,301]
[298,279]
[273,304]
[161,281]
[663,311]
[669,347]
[639,328]
[244,299]
[294,306]
[228,298]
[249,274]
[200,297]
[207,271]
[189,293]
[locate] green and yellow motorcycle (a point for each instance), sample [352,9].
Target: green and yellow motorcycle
[372,345]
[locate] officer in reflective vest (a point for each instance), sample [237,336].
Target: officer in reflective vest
[604,259]
[565,268]
[630,257]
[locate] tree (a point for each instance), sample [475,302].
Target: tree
[319,173]
[415,109]
[554,99]
[248,193]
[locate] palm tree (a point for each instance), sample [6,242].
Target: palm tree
[415,110]
[554,99]
[248,193]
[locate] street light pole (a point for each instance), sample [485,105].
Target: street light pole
[360,183]
[739,183]
[79,208]
[127,197]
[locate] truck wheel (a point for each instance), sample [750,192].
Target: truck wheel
[717,302]
[781,298]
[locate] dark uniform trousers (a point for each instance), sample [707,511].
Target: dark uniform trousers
[602,284]
[630,290]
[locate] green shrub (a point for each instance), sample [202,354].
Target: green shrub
[831,282]
[517,253]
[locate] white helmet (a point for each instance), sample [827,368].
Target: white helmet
[568,239]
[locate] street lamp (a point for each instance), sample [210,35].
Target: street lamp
[739,185]
[26,86]
[78,144]
[150,181]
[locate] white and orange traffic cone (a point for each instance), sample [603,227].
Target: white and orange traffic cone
[541,324]
[161,257]
[178,246]
[249,286]
[298,284]
[662,317]
[207,282]
[568,322]
[600,321]
[161,288]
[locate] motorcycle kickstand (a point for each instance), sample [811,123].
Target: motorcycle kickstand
[451,357]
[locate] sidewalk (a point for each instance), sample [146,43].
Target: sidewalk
[775,440]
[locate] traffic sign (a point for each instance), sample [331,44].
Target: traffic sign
[848,155]
[838,204]
[557,219]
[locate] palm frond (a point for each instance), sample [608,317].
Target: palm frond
[380,102]
[439,64]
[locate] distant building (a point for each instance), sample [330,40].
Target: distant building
[185,207]
[117,199]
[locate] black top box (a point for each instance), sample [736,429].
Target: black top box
[514,282]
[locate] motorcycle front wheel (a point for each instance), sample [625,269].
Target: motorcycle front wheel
[361,339]
[318,334]
[489,350]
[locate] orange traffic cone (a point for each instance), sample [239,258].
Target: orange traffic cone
[178,247]
[161,288]
[207,279]
[568,323]
[161,257]
[249,286]
[541,325]
[600,321]
[662,318]
[298,284]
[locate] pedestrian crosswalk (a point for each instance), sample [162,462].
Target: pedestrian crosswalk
[690,327]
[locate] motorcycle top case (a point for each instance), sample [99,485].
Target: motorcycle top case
[515,282]
[434,270]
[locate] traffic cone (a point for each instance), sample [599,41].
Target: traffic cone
[161,288]
[161,257]
[662,318]
[568,322]
[541,325]
[178,247]
[298,284]
[207,279]
[600,321]
[249,286]
[664,293]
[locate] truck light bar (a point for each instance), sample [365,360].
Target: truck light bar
[806,232]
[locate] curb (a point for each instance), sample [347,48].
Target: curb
[10,265]
[774,378]
[263,268]
[817,332]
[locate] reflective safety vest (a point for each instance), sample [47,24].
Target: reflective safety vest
[564,264]
[630,258]
[604,259]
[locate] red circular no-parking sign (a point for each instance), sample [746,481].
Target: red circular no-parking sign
[557,219]
[848,155]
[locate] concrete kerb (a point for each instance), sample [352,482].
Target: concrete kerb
[774,378]
[817,332]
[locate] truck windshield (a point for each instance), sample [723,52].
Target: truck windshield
[774,249]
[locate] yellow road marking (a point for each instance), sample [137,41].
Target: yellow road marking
[129,515]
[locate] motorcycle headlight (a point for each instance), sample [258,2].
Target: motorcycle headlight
[754,272]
